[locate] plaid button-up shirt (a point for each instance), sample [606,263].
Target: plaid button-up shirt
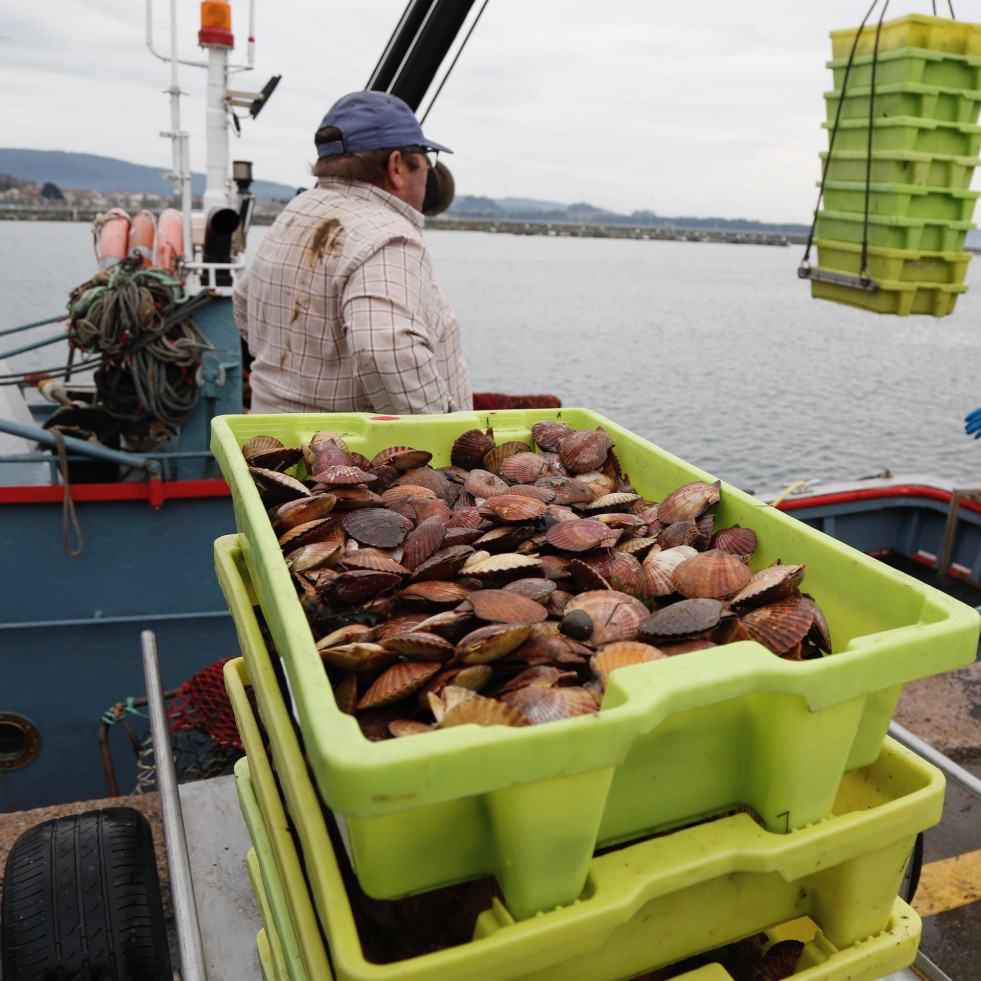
[342,313]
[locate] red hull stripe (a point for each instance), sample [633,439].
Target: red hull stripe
[153,491]
[875,493]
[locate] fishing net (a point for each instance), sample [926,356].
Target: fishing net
[483,401]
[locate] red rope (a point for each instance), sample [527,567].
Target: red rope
[202,703]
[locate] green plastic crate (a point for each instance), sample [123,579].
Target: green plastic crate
[889,232]
[904,99]
[272,960]
[901,200]
[893,264]
[909,65]
[670,744]
[906,133]
[894,297]
[283,891]
[912,31]
[703,886]
[900,167]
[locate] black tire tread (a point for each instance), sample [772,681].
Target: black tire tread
[81,902]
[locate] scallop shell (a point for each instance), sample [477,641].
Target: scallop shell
[540,676]
[419,645]
[491,643]
[684,532]
[819,634]
[434,592]
[549,433]
[402,458]
[504,606]
[659,567]
[567,490]
[541,705]
[483,712]
[607,502]
[424,540]
[346,693]
[781,625]
[442,564]
[503,564]
[407,727]
[304,534]
[400,492]
[316,555]
[524,467]
[351,498]
[769,584]
[538,590]
[259,444]
[280,458]
[715,574]
[689,500]
[426,477]
[277,488]
[626,574]
[581,535]
[398,682]
[736,540]
[620,655]
[470,448]
[615,615]
[343,476]
[683,620]
[496,456]
[482,483]
[358,656]
[360,585]
[512,508]
[466,517]
[584,450]
[369,558]
[544,494]
[377,526]
[300,510]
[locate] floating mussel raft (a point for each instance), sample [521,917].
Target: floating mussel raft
[505,588]
[506,555]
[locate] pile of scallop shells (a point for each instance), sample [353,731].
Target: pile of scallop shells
[506,587]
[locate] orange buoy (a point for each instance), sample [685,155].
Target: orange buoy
[170,239]
[142,236]
[112,237]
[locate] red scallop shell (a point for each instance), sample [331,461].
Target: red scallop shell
[398,682]
[581,535]
[505,606]
[470,448]
[714,574]
[549,433]
[539,704]
[377,526]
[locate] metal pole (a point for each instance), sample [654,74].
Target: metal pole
[185,907]
[960,776]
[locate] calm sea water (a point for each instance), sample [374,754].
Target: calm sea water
[714,352]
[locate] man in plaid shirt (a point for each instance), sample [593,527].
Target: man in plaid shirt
[340,309]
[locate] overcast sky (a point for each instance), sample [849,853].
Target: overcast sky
[704,108]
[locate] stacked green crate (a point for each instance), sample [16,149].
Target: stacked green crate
[906,194]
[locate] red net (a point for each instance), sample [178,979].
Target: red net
[202,703]
[483,401]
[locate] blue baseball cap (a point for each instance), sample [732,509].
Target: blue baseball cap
[373,121]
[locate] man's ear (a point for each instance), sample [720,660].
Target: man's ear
[396,170]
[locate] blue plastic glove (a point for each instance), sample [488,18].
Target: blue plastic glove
[972,424]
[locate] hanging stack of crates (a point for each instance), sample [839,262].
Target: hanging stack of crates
[716,794]
[919,90]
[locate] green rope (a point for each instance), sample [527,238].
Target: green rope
[120,710]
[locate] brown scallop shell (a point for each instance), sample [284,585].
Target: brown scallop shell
[259,444]
[584,450]
[466,517]
[351,498]
[346,693]
[504,606]
[771,583]
[343,476]
[357,586]
[407,727]
[482,483]
[426,477]
[377,526]
[781,625]
[537,589]
[496,456]
[297,511]
[525,467]
[442,564]
[402,458]
[684,532]
[399,492]
[277,488]
[540,705]
[315,555]
[567,490]
[370,558]
[581,535]
[819,634]
[544,494]
[620,655]
[736,540]
[424,540]
[419,645]
[397,682]
[659,567]
[304,534]
[280,458]
[615,615]
[610,502]
[501,565]
[626,574]
[512,508]
[483,712]
[686,619]
[689,500]
[470,448]
[358,656]
[548,434]
[491,643]
[715,574]
[434,593]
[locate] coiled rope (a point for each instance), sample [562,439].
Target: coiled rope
[137,319]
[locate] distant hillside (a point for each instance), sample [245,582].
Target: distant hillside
[86,171]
